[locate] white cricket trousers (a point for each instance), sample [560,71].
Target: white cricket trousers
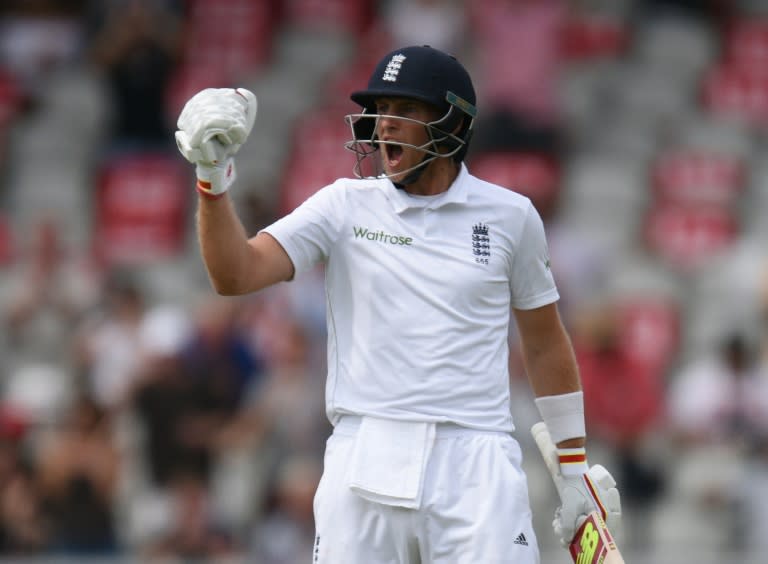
[474,510]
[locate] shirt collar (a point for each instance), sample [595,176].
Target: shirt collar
[456,194]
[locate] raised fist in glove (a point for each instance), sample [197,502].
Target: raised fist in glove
[213,125]
[582,489]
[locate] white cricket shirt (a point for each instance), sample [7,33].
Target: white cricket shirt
[418,294]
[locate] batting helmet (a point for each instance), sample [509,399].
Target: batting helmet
[428,75]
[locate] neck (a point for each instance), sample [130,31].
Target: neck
[436,178]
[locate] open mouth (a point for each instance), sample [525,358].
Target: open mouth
[393,154]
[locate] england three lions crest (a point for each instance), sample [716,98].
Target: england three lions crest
[481,243]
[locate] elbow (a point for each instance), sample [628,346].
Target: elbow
[227,287]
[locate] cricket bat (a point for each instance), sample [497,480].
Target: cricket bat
[593,542]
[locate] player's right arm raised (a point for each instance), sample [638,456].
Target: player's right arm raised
[212,127]
[237,265]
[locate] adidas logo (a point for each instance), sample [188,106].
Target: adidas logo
[521,540]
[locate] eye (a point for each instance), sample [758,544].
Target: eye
[381,108]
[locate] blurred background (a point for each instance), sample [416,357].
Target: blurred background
[143,418]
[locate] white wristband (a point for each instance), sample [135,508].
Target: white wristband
[564,415]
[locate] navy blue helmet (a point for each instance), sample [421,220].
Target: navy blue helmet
[428,75]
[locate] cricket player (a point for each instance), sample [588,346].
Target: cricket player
[423,264]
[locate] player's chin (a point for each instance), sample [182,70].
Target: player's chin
[395,174]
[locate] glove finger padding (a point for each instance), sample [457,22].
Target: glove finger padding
[580,495]
[225,115]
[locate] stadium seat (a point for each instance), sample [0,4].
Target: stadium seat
[692,177]
[141,209]
[737,92]
[589,37]
[10,97]
[650,330]
[238,35]
[745,43]
[687,236]
[7,242]
[330,15]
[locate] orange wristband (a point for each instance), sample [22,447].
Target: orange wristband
[204,189]
[573,461]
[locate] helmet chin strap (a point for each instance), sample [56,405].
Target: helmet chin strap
[415,174]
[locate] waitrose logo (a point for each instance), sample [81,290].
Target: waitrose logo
[381,236]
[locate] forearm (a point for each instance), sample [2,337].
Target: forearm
[553,370]
[553,373]
[224,245]
[213,125]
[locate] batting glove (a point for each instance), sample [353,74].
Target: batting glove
[212,127]
[582,491]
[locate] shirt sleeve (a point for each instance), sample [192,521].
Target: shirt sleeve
[531,282]
[309,232]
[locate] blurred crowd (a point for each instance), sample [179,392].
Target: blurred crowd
[144,417]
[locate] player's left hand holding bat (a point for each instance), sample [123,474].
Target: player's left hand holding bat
[582,489]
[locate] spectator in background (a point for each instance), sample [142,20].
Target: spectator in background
[517,56]
[220,360]
[286,410]
[283,417]
[38,37]
[164,399]
[107,340]
[718,421]
[48,293]
[711,11]
[722,398]
[24,529]
[79,472]
[136,43]
[284,535]
[194,534]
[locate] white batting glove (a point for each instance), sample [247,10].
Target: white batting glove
[580,495]
[213,125]
[582,489]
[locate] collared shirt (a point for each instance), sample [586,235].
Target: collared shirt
[419,291]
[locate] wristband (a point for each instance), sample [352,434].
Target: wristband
[573,461]
[564,415]
[204,189]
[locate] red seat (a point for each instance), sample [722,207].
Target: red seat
[352,16]
[695,177]
[650,330]
[588,37]
[745,44]
[7,242]
[232,36]
[10,97]
[688,236]
[141,209]
[736,91]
